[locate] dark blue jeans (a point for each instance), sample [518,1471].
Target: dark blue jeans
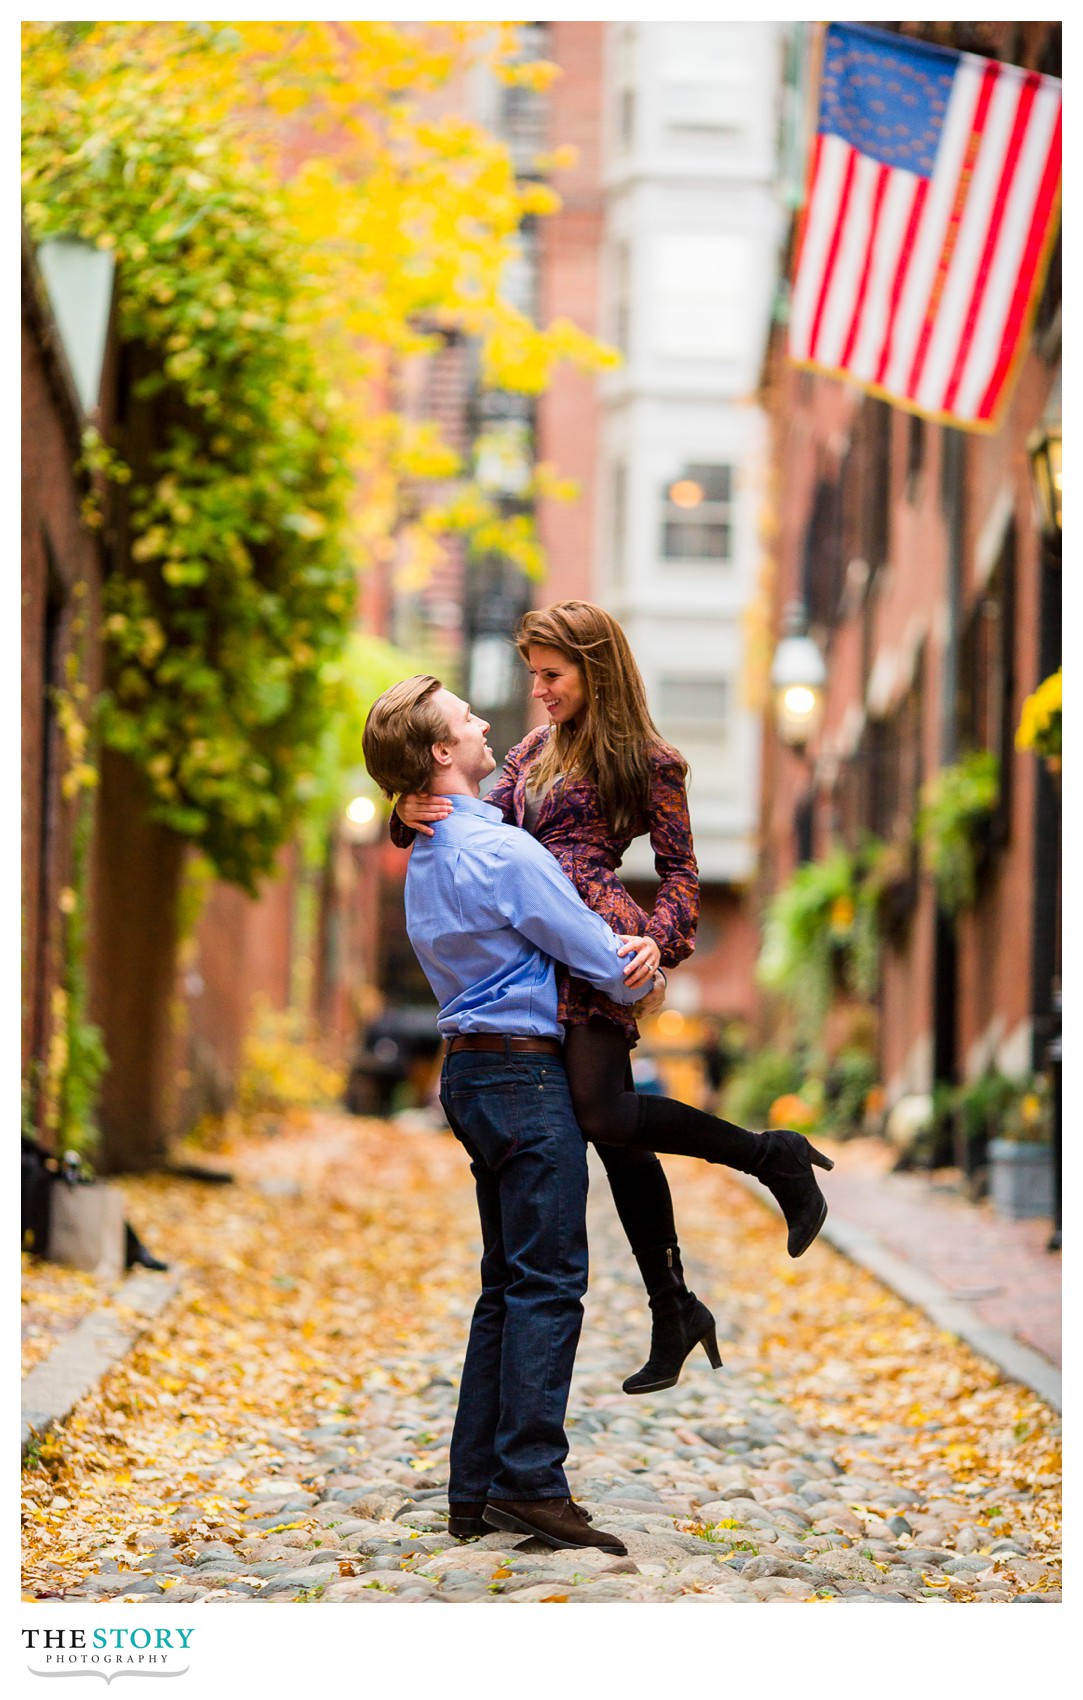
[514,1116]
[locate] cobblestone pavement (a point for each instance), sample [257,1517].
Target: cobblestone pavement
[737,1486]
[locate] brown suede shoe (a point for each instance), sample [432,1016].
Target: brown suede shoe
[557,1522]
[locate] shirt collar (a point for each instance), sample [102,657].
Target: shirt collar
[470,805]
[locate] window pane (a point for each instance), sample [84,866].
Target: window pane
[699,287]
[494,675]
[693,699]
[705,82]
[714,481]
[695,541]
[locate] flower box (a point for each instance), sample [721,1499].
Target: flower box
[87,1228]
[1021,1177]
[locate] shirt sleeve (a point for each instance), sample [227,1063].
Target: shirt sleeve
[536,897]
[673,920]
[402,836]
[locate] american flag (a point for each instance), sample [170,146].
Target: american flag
[934,191]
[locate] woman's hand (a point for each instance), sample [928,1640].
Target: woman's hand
[644,957]
[653,1001]
[417,807]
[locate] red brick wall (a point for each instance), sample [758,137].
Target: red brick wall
[814,418]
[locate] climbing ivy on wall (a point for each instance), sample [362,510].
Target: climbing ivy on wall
[288,225]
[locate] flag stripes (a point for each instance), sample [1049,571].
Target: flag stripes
[920,286]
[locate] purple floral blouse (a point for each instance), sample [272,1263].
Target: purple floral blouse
[572,828]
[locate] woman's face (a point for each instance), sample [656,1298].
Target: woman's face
[558,684]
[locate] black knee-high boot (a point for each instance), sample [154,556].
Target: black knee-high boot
[679,1321]
[781,1159]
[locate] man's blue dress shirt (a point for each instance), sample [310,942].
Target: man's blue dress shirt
[487,912]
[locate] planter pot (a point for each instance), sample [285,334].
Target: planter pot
[87,1228]
[1021,1177]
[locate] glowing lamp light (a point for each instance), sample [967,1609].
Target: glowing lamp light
[686,493]
[799,703]
[798,676]
[361,811]
[361,821]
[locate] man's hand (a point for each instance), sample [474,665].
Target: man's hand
[417,807]
[644,957]
[652,1003]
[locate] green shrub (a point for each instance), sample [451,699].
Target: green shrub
[754,1086]
[851,1078]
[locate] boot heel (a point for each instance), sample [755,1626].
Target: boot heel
[819,1159]
[710,1346]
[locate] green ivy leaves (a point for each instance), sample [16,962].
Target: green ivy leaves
[238,588]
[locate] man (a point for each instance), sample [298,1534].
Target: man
[487,911]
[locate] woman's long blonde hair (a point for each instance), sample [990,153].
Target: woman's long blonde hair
[612,742]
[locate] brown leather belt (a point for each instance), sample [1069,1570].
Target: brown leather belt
[503,1042]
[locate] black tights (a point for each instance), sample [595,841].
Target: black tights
[636,1178]
[612,1113]
[626,1129]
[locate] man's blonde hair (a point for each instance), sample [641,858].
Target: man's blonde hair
[402,726]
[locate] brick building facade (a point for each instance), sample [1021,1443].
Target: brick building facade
[916,553]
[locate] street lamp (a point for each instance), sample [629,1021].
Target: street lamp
[798,676]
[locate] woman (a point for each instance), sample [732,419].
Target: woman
[598,775]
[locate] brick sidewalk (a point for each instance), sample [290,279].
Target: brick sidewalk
[998,1267]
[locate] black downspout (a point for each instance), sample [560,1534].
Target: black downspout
[945,955]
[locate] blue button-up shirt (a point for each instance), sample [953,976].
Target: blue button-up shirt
[487,911]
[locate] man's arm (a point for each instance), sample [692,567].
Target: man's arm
[536,898]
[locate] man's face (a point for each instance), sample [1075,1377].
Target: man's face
[471,756]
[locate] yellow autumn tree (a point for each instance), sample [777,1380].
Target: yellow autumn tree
[296,210]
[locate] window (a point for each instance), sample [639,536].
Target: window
[699,296]
[890,762]
[494,671]
[986,677]
[695,711]
[696,703]
[697,514]
[519,284]
[706,87]
[823,563]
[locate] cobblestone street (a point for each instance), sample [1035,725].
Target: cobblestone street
[281,1431]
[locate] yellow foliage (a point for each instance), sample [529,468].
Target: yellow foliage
[408,209]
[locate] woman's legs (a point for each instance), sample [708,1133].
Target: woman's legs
[599,1069]
[609,1113]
